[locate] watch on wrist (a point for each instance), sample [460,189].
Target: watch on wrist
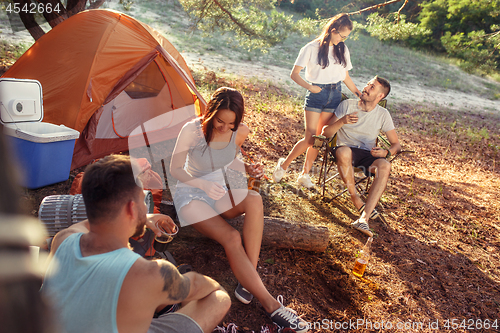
[388,154]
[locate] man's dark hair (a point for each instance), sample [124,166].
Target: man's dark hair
[107,185]
[386,86]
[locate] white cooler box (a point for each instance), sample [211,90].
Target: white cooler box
[43,151]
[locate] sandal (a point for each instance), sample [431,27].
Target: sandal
[363,227]
[373,215]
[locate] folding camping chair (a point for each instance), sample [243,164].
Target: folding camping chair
[328,174]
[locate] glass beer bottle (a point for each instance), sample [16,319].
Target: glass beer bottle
[362,259]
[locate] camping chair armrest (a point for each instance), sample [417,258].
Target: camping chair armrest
[399,153]
[320,141]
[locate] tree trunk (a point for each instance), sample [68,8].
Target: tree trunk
[75,6]
[29,21]
[54,18]
[279,233]
[96,4]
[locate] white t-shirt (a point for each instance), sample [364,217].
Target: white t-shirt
[364,133]
[333,73]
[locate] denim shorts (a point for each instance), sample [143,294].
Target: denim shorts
[326,100]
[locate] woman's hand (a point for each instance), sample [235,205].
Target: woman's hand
[315,89]
[255,170]
[213,190]
[165,220]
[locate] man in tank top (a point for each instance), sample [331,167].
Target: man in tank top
[97,284]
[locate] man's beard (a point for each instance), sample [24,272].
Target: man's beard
[141,227]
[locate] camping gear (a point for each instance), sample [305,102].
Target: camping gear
[43,151]
[58,212]
[114,79]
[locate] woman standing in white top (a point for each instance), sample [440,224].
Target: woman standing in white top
[327,62]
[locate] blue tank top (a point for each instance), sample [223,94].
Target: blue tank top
[85,290]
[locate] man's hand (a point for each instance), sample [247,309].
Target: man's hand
[379,152]
[165,220]
[350,118]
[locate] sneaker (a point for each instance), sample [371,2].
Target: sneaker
[287,318]
[243,295]
[363,227]
[373,215]
[168,309]
[184,268]
[305,180]
[279,172]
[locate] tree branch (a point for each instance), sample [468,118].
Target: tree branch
[375,7]
[240,25]
[399,11]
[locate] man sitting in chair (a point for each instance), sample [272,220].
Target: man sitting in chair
[358,124]
[98,284]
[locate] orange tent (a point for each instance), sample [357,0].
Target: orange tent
[108,75]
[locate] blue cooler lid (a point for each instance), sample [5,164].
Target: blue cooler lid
[21,101]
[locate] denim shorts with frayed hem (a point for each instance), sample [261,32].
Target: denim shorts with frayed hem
[326,100]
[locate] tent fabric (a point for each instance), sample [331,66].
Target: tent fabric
[90,67]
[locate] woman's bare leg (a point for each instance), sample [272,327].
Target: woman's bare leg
[311,123]
[312,153]
[253,225]
[219,230]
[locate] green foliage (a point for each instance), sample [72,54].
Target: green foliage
[388,28]
[465,29]
[458,16]
[126,4]
[479,50]
[324,9]
[256,23]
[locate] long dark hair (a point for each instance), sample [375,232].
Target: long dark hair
[338,22]
[222,98]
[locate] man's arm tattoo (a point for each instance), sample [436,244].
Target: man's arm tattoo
[174,284]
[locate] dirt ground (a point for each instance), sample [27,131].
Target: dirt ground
[436,248]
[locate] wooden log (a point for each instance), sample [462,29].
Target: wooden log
[279,233]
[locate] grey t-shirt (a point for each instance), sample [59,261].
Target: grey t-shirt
[362,134]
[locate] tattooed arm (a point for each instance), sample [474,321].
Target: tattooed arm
[185,288]
[151,285]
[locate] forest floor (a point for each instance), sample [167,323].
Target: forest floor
[436,249]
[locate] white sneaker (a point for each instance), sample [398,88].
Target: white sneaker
[279,172]
[305,180]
